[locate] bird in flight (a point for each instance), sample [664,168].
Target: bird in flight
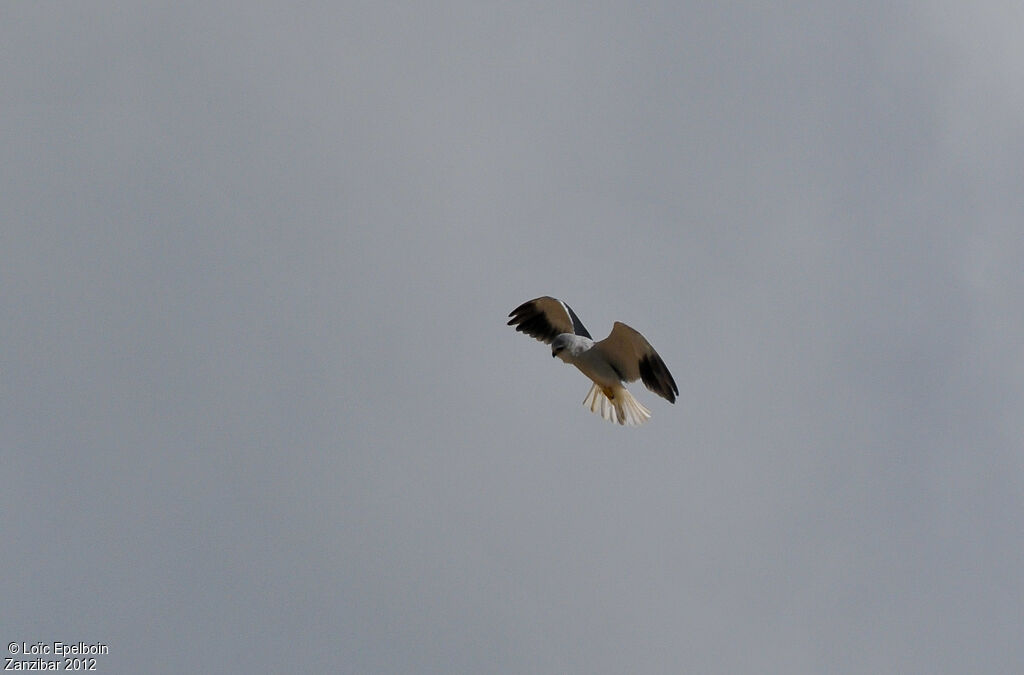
[624,356]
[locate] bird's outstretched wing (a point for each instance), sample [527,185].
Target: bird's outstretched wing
[634,358]
[546,318]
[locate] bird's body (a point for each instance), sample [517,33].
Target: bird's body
[624,356]
[580,352]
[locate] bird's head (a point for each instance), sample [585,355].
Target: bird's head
[560,346]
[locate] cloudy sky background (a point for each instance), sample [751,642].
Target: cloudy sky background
[260,410]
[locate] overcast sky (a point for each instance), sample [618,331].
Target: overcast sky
[261,411]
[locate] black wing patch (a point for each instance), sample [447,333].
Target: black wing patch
[656,377]
[577,325]
[531,318]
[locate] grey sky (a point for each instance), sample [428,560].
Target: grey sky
[261,411]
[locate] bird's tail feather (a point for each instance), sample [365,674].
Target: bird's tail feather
[621,408]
